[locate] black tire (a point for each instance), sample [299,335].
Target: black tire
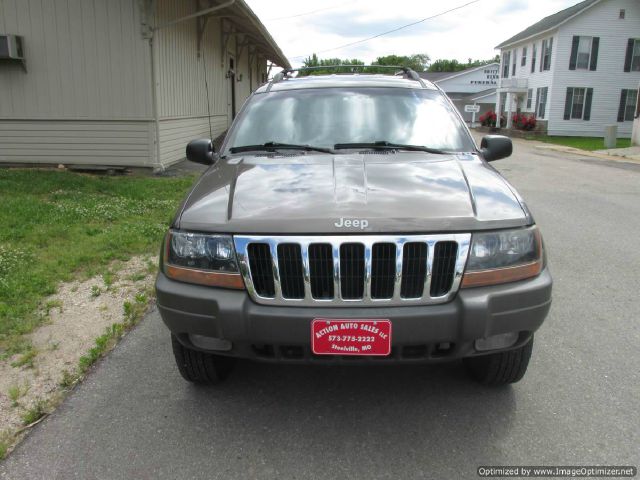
[500,368]
[199,367]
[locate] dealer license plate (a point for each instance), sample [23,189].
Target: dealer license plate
[350,337]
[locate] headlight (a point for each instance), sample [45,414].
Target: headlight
[503,256]
[203,259]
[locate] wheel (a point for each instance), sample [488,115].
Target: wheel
[200,367]
[500,368]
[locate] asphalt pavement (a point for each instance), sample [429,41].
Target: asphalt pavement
[579,404]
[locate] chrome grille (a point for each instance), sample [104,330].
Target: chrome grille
[414,269]
[378,270]
[383,270]
[352,271]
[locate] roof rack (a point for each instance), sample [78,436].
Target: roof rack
[286,73]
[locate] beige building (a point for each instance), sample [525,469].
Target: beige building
[124,82]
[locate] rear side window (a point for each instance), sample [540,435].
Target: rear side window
[327,116]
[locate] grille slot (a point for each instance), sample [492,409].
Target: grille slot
[352,270]
[321,271]
[443,268]
[290,267]
[414,269]
[261,269]
[383,270]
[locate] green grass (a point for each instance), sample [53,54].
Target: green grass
[36,412]
[59,225]
[5,439]
[583,143]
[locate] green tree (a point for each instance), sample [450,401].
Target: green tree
[313,61]
[418,61]
[453,65]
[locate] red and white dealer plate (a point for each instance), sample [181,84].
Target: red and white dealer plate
[350,337]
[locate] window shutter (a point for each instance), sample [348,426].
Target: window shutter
[544,43]
[568,101]
[623,104]
[574,52]
[587,104]
[533,58]
[595,43]
[627,57]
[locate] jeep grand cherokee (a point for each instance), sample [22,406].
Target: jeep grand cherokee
[352,219]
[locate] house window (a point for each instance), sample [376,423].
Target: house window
[523,60]
[506,61]
[632,56]
[578,103]
[584,53]
[529,98]
[534,53]
[628,100]
[541,96]
[545,61]
[622,13]
[513,69]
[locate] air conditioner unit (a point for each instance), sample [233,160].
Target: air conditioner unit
[11,47]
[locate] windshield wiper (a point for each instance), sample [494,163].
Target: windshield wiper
[385,144]
[270,146]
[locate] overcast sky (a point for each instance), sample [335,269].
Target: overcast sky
[472,31]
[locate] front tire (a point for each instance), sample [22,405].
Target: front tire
[199,367]
[500,368]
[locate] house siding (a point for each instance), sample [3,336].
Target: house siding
[607,80]
[92,142]
[176,133]
[85,60]
[85,97]
[601,20]
[536,79]
[182,95]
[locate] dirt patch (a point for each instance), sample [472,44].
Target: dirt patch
[80,312]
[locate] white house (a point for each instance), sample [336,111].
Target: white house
[576,70]
[124,82]
[468,87]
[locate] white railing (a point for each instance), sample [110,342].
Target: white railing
[514,83]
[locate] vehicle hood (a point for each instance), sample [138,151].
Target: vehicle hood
[409,192]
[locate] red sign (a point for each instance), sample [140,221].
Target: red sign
[350,337]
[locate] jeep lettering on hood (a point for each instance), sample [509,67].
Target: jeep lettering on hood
[355,223]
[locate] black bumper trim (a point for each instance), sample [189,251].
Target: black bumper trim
[474,313]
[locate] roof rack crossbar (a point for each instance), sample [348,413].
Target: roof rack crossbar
[408,72]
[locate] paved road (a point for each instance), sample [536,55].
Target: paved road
[579,403]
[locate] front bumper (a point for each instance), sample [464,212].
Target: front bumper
[420,333]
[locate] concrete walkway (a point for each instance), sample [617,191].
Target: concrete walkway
[629,153]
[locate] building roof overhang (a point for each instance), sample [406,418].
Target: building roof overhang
[548,23]
[242,21]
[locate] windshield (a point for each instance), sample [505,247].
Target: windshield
[324,117]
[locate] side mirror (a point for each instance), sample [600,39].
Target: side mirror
[201,151]
[495,147]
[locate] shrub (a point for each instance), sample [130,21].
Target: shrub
[523,121]
[489,118]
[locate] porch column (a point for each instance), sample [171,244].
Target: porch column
[509,112]
[497,110]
